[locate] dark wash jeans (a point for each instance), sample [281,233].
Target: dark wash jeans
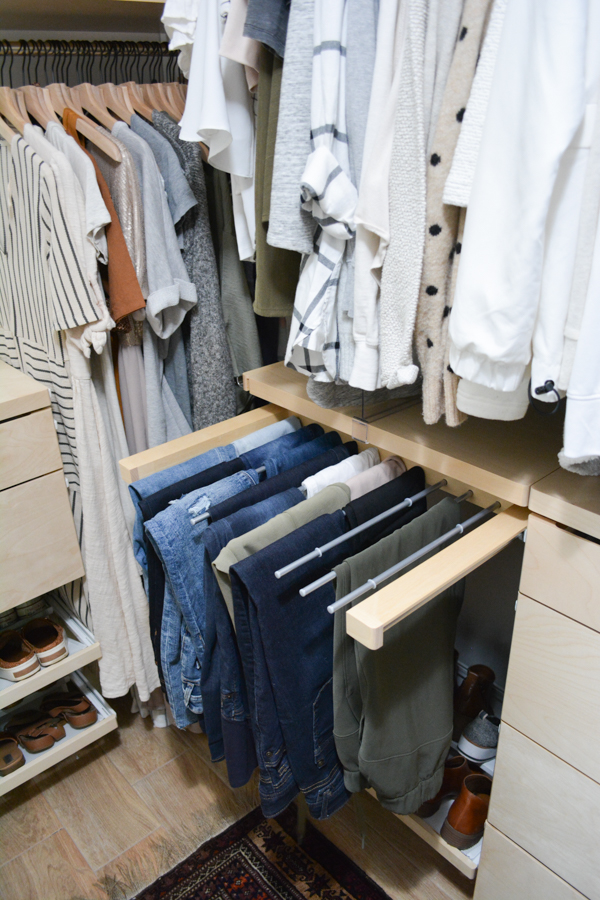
[286,641]
[224,696]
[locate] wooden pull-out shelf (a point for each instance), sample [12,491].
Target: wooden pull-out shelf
[497,460]
[367,621]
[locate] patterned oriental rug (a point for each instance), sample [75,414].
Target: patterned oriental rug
[259,859]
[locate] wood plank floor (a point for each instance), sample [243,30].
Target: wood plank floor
[106,823]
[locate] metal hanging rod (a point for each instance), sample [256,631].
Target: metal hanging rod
[74,62]
[319,551]
[95,48]
[373,583]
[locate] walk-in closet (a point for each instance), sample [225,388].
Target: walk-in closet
[299,450]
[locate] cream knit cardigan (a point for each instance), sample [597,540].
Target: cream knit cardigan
[442,246]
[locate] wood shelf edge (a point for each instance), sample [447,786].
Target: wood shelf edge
[184,448]
[367,621]
[451,854]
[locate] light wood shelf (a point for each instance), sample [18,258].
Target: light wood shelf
[83,649]
[369,620]
[455,857]
[499,460]
[181,449]
[572,500]
[20,394]
[74,740]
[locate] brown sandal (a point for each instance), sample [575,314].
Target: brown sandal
[11,756]
[76,709]
[36,731]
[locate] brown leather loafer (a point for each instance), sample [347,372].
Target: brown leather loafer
[466,817]
[456,770]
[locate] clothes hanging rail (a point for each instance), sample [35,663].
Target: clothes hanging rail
[373,583]
[73,62]
[319,551]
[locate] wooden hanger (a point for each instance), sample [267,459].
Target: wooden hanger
[20,101]
[6,131]
[175,98]
[61,97]
[156,98]
[116,101]
[38,105]
[10,110]
[91,99]
[136,99]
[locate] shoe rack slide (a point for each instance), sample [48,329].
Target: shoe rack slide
[495,460]
[75,738]
[83,649]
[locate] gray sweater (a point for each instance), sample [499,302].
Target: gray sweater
[210,373]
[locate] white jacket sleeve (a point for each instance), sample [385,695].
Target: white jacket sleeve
[581,452]
[537,102]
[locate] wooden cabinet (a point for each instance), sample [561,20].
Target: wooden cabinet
[38,543]
[549,809]
[545,806]
[553,686]
[562,570]
[507,872]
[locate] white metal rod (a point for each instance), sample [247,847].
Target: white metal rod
[373,583]
[319,551]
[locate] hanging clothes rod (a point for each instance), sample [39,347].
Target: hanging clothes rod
[259,470]
[319,551]
[373,583]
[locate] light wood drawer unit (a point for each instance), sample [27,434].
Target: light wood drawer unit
[562,570]
[38,543]
[553,685]
[28,448]
[506,872]
[549,808]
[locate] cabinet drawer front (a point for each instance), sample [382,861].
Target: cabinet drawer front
[38,543]
[562,570]
[28,448]
[553,685]
[550,809]
[506,872]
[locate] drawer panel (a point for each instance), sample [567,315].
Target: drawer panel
[562,570]
[550,809]
[28,448]
[506,872]
[553,685]
[38,543]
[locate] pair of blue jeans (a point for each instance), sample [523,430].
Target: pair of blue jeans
[144,487]
[224,697]
[179,546]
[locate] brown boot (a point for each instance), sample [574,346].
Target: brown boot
[456,770]
[472,697]
[466,817]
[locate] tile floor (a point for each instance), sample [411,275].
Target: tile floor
[104,824]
